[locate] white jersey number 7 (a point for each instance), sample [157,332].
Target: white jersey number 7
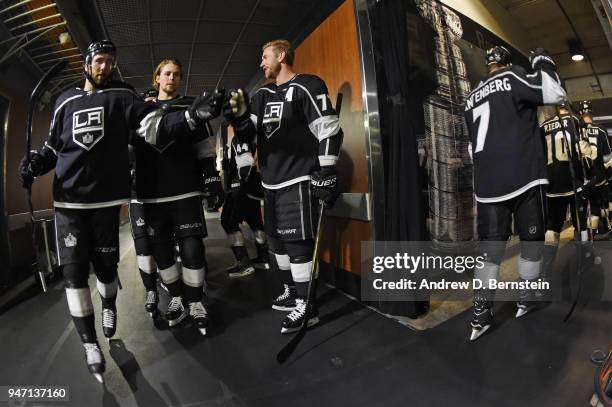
[483,112]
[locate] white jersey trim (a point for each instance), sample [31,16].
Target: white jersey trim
[541,181]
[170,198]
[286,183]
[61,106]
[51,148]
[310,96]
[95,205]
[561,194]
[325,127]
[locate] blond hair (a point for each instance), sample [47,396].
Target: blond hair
[161,65]
[282,46]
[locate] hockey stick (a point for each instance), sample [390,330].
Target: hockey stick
[579,264]
[288,349]
[38,90]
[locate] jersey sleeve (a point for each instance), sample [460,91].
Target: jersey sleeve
[322,120]
[53,144]
[542,87]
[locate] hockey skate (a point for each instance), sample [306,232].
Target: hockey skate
[482,319]
[95,360]
[197,312]
[263,257]
[109,322]
[285,301]
[295,319]
[151,301]
[241,269]
[176,311]
[525,303]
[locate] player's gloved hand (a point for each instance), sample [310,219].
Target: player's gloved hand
[540,59]
[207,106]
[587,190]
[325,186]
[236,107]
[29,168]
[213,191]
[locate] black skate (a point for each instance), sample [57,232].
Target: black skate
[109,322]
[197,312]
[525,302]
[263,256]
[176,311]
[482,319]
[241,269]
[285,301]
[151,302]
[95,360]
[295,319]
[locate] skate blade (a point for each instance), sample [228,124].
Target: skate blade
[477,333]
[175,322]
[244,273]
[522,311]
[311,322]
[99,377]
[281,308]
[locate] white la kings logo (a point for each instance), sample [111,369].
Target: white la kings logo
[140,222]
[88,127]
[272,118]
[70,240]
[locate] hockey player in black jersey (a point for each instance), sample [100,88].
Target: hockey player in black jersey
[171,179]
[298,141]
[509,168]
[87,147]
[242,204]
[602,161]
[566,146]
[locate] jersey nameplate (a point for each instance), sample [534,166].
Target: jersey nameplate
[88,127]
[272,118]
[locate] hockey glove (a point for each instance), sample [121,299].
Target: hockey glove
[213,191]
[587,190]
[29,169]
[540,59]
[206,106]
[236,107]
[324,185]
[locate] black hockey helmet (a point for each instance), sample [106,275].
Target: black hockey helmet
[585,107]
[498,55]
[101,47]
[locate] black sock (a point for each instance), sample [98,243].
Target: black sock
[86,328]
[149,280]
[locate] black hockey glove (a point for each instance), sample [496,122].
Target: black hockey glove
[207,106]
[540,59]
[325,186]
[587,190]
[29,169]
[236,107]
[213,191]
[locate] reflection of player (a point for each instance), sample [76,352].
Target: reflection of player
[91,126]
[169,183]
[501,115]
[298,141]
[242,204]
[560,134]
[602,161]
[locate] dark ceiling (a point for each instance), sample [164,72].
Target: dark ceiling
[218,42]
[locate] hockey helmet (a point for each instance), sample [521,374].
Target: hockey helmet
[101,47]
[585,107]
[498,55]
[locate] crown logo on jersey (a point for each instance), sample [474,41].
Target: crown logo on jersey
[88,138]
[140,222]
[70,240]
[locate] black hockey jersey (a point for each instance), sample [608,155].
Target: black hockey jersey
[559,136]
[244,152]
[172,171]
[297,130]
[88,142]
[599,141]
[507,146]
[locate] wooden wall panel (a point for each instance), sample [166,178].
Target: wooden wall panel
[332,52]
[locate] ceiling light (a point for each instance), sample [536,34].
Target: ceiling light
[575,49]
